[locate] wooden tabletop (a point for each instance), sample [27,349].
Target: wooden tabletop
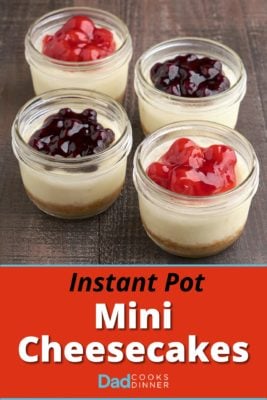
[117,236]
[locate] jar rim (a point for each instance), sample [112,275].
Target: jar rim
[78,64]
[189,100]
[72,163]
[194,203]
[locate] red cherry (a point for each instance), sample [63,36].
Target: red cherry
[223,159]
[104,39]
[92,52]
[184,152]
[221,154]
[52,49]
[187,181]
[159,173]
[229,180]
[81,23]
[221,179]
[72,54]
[76,37]
[179,182]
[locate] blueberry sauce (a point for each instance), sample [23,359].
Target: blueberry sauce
[69,134]
[190,76]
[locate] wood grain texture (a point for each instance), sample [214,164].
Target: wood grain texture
[29,236]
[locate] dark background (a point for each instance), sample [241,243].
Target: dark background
[117,236]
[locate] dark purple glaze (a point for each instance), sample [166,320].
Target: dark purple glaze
[71,134]
[190,76]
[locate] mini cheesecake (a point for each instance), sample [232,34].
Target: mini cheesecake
[194,86]
[192,191]
[194,79]
[77,51]
[183,234]
[73,161]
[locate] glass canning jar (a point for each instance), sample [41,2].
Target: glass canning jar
[72,187]
[158,108]
[195,226]
[107,75]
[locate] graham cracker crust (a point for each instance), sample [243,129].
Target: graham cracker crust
[71,211]
[193,251]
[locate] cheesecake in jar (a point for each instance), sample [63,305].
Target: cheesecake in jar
[72,149]
[189,79]
[79,47]
[195,182]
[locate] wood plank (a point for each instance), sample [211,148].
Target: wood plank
[117,236]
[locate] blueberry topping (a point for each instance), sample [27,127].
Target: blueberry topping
[190,76]
[71,134]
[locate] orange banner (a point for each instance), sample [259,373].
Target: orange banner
[133,332]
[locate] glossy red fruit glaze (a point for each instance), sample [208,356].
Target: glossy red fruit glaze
[183,152]
[70,134]
[189,169]
[80,23]
[190,76]
[79,40]
[159,173]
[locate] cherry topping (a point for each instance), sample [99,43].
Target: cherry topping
[190,76]
[79,23]
[189,169]
[79,40]
[160,173]
[71,134]
[183,152]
